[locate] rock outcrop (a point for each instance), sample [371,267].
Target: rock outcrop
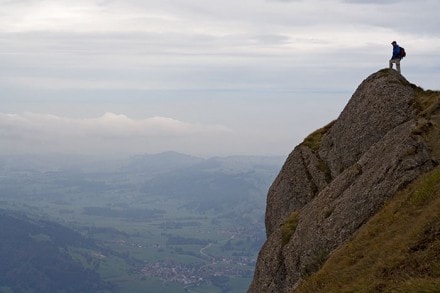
[339,177]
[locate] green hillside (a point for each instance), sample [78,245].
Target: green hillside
[35,257]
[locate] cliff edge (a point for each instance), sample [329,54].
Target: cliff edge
[343,174]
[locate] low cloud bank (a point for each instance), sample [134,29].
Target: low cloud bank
[110,134]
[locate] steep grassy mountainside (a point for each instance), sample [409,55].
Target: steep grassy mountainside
[35,258]
[398,250]
[343,174]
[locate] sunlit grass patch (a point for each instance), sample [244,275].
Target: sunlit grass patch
[313,141]
[289,227]
[424,192]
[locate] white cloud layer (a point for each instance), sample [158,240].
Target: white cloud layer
[110,134]
[86,57]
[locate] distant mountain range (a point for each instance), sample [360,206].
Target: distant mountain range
[172,196]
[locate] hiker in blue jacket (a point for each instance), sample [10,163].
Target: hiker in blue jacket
[396,56]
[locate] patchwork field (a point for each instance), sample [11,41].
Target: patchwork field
[160,222]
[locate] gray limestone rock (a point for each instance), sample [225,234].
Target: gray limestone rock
[368,154]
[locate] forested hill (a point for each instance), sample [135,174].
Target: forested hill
[36,257]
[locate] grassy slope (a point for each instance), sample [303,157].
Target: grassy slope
[398,250]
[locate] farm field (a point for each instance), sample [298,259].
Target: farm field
[160,222]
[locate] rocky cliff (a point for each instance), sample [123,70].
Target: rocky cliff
[342,174]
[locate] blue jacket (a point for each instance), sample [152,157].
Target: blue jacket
[396,52]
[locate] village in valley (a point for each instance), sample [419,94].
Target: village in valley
[185,274]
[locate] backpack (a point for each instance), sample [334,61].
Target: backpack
[402,52]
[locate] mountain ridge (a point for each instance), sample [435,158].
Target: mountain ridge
[35,257]
[342,174]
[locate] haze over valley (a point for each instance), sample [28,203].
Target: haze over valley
[139,139]
[167,221]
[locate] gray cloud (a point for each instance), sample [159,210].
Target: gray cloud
[92,56]
[382,2]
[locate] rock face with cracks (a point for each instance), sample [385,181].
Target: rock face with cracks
[339,177]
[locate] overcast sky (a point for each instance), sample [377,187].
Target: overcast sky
[196,76]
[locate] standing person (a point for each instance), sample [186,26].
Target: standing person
[396,56]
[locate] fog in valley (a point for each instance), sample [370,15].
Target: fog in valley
[144,223]
[138,139]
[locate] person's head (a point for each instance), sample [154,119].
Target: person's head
[394,43]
